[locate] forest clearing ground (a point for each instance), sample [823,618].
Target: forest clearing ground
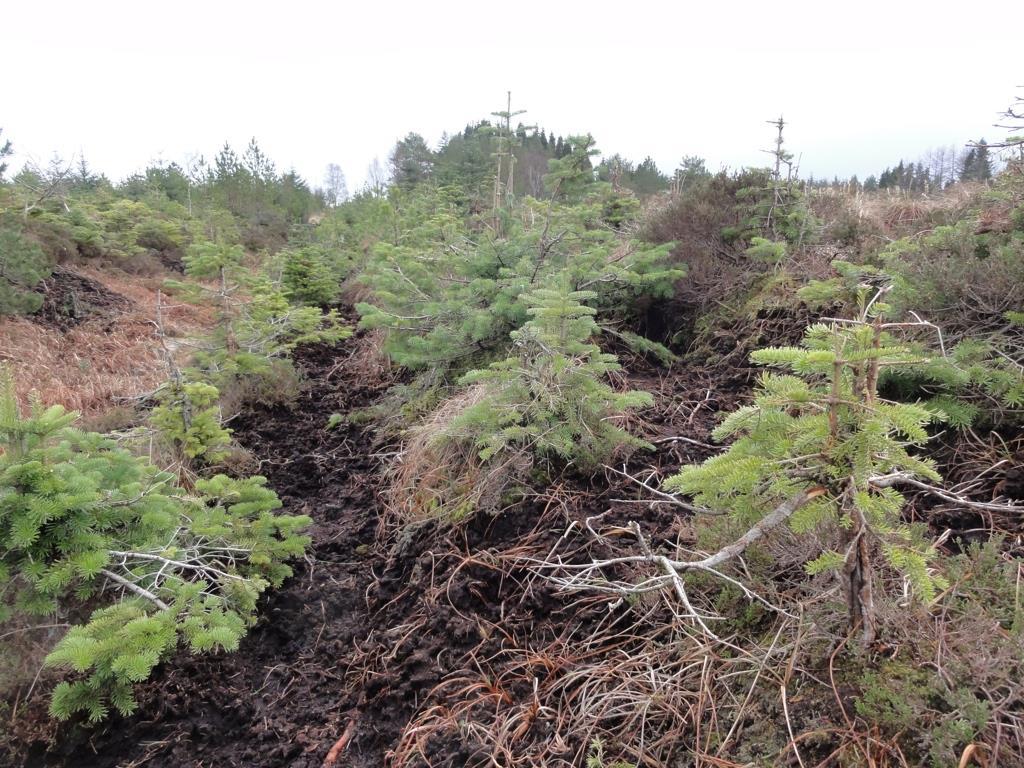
[442,646]
[367,635]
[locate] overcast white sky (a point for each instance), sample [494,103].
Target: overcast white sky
[862,83]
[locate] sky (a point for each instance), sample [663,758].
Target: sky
[861,85]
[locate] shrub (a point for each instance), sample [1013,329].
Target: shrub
[256,324]
[449,295]
[713,221]
[189,418]
[83,520]
[969,379]
[822,434]
[22,266]
[972,279]
[308,278]
[551,397]
[158,235]
[769,251]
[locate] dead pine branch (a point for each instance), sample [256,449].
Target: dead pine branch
[902,478]
[668,497]
[590,576]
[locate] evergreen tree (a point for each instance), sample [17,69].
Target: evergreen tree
[85,522]
[823,435]
[189,417]
[308,276]
[446,294]
[646,179]
[465,162]
[6,150]
[551,396]
[412,161]
[983,162]
[23,264]
[256,322]
[260,167]
[293,196]
[967,165]
[691,170]
[923,181]
[977,164]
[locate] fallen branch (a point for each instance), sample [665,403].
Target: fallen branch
[133,587]
[582,577]
[203,568]
[780,514]
[897,478]
[661,494]
[691,441]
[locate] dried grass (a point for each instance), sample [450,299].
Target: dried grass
[436,475]
[369,357]
[101,361]
[898,213]
[642,680]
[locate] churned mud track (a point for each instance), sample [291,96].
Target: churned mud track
[282,699]
[413,651]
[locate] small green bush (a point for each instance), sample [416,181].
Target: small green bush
[551,397]
[22,266]
[448,294]
[823,427]
[188,417]
[308,278]
[770,251]
[83,520]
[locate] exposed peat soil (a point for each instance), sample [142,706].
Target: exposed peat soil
[355,643]
[70,298]
[410,648]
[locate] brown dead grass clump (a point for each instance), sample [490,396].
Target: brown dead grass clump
[101,361]
[898,213]
[368,356]
[438,475]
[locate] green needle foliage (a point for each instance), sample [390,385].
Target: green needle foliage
[976,378]
[83,520]
[310,276]
[189,417]
[258,327]
[22,265]
[257,324]
[447,290]
[822,424]
[770,251]
[551,396]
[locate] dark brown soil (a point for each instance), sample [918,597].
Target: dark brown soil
[70,299]
[366,630]
[376,630]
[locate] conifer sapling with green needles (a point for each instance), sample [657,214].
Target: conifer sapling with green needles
[823,425]
[83,520]
[551,396]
